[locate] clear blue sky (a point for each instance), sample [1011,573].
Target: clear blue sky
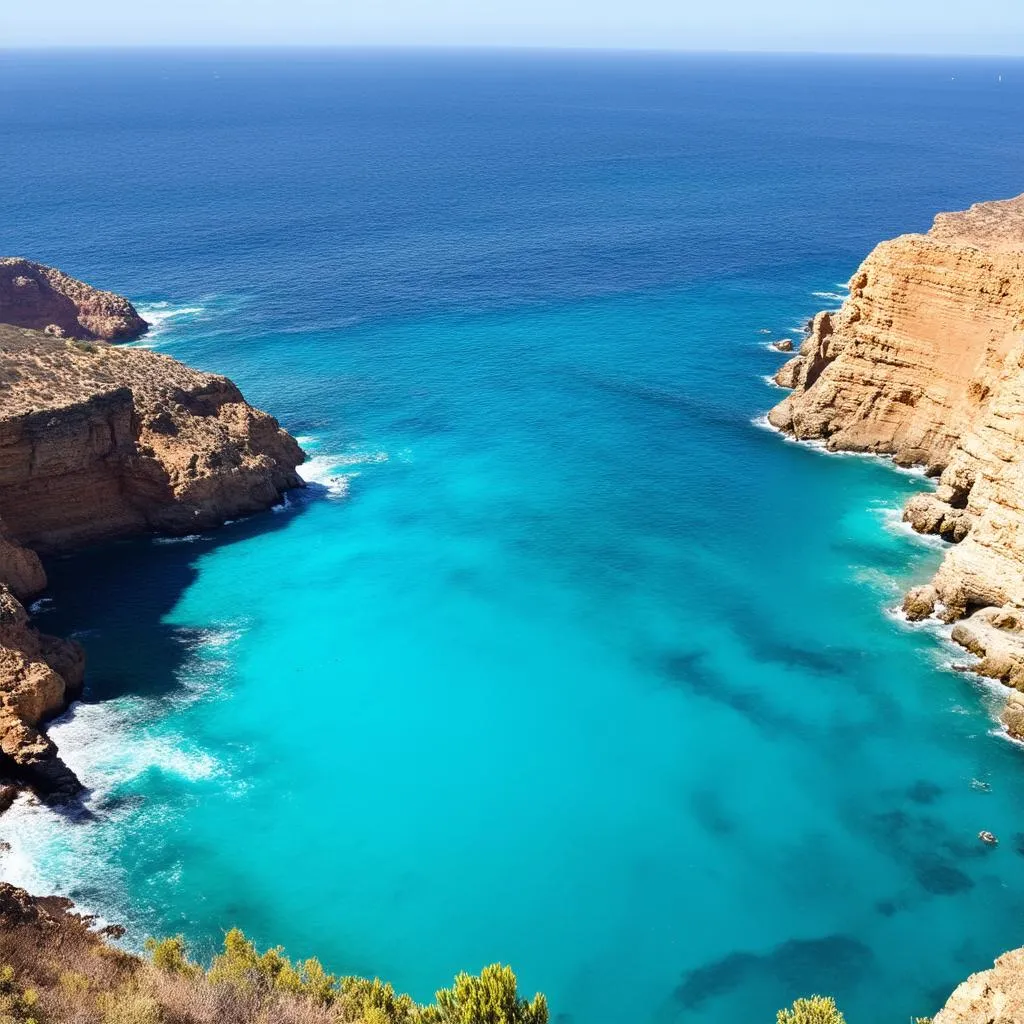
[900,26]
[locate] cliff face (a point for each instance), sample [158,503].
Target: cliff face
[925,362]
[995,996]
[46,299]
[98,442]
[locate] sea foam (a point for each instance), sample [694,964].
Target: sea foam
[161,316]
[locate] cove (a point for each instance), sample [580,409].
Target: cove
[564,662]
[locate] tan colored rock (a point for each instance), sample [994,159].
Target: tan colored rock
[995,996]
[925,362]
[1012,715]
[103,442]
[20,568]
[98,442]
[927,513]
[919,603]
[46,299]
[38,676]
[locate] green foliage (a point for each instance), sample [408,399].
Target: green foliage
[169,955]
[491,998]
[816,1010]
[17,1005]
[241,965]
[374,1002]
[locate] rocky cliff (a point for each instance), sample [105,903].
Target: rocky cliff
[47,300]
[925,362]
[995,996]
[98,442]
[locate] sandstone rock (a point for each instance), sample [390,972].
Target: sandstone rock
[926,513]
[783,345]
[919,603]
[1012,715]
[105,443]
[996,636]
[925,362]
[20,568]
[995,996]
[32,295]
[98,442]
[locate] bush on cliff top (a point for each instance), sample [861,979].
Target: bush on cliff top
[269,983]
[816,1010]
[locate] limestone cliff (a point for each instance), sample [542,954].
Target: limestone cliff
[995,996]
[46,299]
[925,362]
[98,442]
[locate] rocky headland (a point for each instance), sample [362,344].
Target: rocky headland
[99,442]
[46,299]
[924,362]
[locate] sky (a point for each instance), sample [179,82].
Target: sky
[874,26]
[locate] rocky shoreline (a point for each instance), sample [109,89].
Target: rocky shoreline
[924,362]
[99,442]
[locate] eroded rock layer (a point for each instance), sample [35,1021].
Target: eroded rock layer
[925,362]
[98,442]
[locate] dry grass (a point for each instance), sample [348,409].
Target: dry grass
[55,970]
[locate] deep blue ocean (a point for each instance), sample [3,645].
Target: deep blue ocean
[563,660]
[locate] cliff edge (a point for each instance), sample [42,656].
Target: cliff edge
[995,996]
[99,442]
[925,362]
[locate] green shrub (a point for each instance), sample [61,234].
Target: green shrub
[241,965]
[169,955]
[17,1005]
[374,1002]
[491,998]
[816,1010]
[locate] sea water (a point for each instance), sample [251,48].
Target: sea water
[561,659]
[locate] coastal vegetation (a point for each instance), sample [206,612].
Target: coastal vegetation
[54,969]
[816,1010]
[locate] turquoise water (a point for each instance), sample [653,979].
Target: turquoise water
[561,660]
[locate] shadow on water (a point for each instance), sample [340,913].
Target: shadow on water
[836,962]
[115,598]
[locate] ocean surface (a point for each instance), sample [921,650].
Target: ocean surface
[562,659]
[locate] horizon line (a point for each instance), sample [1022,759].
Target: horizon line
[539,48]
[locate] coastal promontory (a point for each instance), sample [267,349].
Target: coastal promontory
[99,442]
[48,300]
[924,362]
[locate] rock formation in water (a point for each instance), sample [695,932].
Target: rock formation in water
[47,300]
[98,442]
[925,362]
